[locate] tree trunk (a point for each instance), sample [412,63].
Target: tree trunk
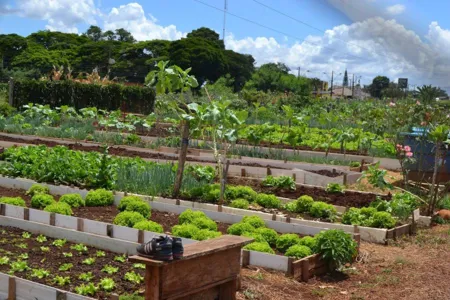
[432,203]
[181,158]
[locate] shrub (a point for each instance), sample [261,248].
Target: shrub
[336,247]
[73,200]
[99,197]
[309,242]
[185,230]
[268,201]
[260,247]
[298,251]
[189,215]
[37,189]
[205,234]
[255,221]
[237,192]
[128,218]
[140,206]
[240,203]
[382,219]
[444,203]
[6,109]
[268,234]
[148,225]
[322,210]
[303,204]
[205,223]
[240,228]
[287,240]
[40,201]
[13,201]
[59,208]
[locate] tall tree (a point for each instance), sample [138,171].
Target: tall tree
[205,58]
[109,35]
[345,81]
[379,83]
[240,67]
[11,45]
[208,34]
[123,35]
[94,33]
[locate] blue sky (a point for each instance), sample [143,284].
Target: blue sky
[397,38]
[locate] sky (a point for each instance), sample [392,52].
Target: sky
[396,38]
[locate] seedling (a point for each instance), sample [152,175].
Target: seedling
[67,254]
[79,247]
[59,243]
[26,235]
[22,246]
[107,284]
[4,260]
[101,254]
[86,290]
[110,269]
[40,273]
[45,249]
[19,266]
[134,277]
[86,276]
[65,267]
[41,238]
[23,256]
[121,258]
[139,266]
[61,281]
[89,261]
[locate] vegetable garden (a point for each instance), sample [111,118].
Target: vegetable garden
[199,200]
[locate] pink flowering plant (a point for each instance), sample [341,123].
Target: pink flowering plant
[405,156]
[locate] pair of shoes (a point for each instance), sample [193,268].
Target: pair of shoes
[162,247]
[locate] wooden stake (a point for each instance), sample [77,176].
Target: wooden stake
[245,258]
[12,288]
[243,173]
[26,214]
[305,270]
[52,219]
[80,224]
[269,171]
[2,209]
[109,230]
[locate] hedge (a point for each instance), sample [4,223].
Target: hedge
[80,95]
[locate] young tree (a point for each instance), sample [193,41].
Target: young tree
[173,79]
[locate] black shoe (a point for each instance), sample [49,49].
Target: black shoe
[159,248]
[177,248]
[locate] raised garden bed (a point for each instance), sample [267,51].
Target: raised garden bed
[32,256]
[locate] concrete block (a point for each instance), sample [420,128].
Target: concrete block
[125,233]
[66,221]
[95,227]
[14,211]
[271,261]
[39,216]
[28,290]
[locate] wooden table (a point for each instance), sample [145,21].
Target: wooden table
[208,270]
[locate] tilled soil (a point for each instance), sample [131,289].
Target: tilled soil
[328,173]
[348,198]
[13,244]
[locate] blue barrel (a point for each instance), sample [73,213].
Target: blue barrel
[424,153]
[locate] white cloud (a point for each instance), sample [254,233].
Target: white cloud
[369,48]
[132,18]
[396,9]
[62,15]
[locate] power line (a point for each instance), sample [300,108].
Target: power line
[272,29]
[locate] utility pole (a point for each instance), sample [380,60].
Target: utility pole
[225,7]
[298,75]
[331,91]
[353,86]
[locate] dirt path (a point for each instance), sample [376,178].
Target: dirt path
[415,268]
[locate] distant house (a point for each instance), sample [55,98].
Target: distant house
[346,92]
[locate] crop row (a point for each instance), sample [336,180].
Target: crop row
[60,165]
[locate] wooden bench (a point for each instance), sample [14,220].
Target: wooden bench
[208,270]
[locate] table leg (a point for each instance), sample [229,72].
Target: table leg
[152,283]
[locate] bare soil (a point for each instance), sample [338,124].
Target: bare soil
[347,198]
[414,268]
[11,238]
[328,173]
